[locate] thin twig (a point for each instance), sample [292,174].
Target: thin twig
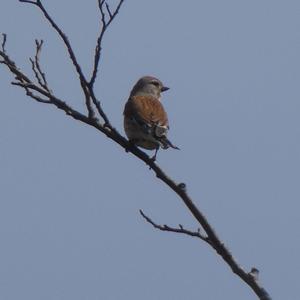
[182,230]
[13,68]
[3,42]
[35,71]
[28,1]
[65,39]
[108,10]
[97,55]
[104,26]
[36,68]
[43,80]
[100,110]
[36,97]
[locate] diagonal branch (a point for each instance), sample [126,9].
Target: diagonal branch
[179,189]
[100,110]
[39,93]
[32,95]
[12,67]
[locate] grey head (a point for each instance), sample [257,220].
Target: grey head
[148,85]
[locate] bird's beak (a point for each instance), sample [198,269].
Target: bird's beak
[164,88]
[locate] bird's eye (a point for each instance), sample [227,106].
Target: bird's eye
[156,83]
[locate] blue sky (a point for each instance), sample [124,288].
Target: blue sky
[69,221]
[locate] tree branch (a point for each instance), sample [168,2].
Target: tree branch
[197,233]
[41,93]
[36,67]
[28,1]
[3,42]
[87,87]
[73,58]
[104,27]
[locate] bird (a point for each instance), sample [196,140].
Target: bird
[145,119]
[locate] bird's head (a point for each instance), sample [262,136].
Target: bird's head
[148,85]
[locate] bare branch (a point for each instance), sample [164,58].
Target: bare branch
[32,86]
[104,27]
[13,68]
[36,97]
[113,134]
[100,110]
[86,87]
[28,1]
[112,16]
[197,234]
[60,104]
[36,68]
[42,77]
[41,94]
[100,6]
[61,34]
[108,10]
[3,42]
[36,72]
[65,39]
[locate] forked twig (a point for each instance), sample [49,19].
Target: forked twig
[36,67]
[104,26]
[182,230]
[73,58]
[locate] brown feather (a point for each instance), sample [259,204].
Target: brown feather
[146,108]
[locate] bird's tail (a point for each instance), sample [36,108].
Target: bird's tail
[165,143]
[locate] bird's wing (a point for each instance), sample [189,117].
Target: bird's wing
[149,113]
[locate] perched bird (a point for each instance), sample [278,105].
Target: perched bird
[145,120]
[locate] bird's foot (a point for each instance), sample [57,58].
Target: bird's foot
[153,158]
